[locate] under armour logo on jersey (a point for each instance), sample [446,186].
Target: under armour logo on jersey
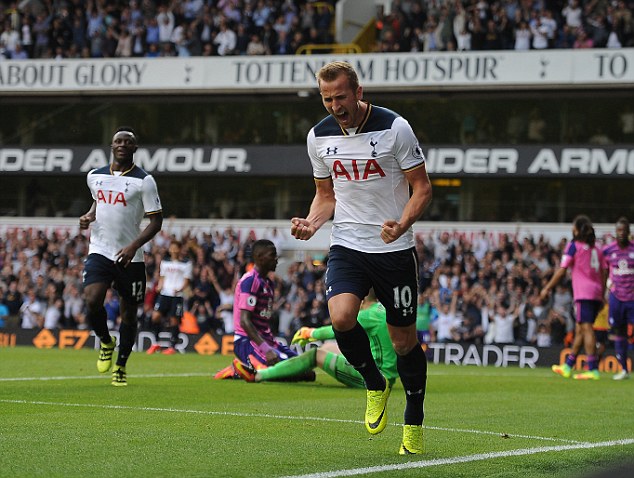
[373,144]
[328,290]
[98,183]
[408,310]
[330,150]
[127,183]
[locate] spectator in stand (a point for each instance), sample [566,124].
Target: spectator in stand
[53,316]
[166,22]
[523,36]
[582,40]
[540,33]
[503,316]
[13,300]
[550,24]
[446,321]
[543,336]
[477,27]
[566,37]
[74,307]
[573,14]
[556,323]
[9,39]
[224,311]
[32,311]
[622,24]
[225,40]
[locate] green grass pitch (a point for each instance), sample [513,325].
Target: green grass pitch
[60,418]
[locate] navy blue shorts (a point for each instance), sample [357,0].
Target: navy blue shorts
[621,313]
[129,281]
[587,310]
[243,347]
[394,276]
[169,306]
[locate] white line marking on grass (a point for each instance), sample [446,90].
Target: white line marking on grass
[92,377]
[179,410]
[462,459]
[265,415]
[510,435]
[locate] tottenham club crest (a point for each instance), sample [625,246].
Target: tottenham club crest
[373,144]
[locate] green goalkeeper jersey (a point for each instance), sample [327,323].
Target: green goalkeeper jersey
[373,320]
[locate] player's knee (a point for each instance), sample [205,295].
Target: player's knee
[404,346]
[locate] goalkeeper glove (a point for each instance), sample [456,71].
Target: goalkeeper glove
[303,336]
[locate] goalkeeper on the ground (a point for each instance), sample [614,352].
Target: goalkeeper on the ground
[328,357]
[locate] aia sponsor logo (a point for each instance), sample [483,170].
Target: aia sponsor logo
[111,197]
[357,170]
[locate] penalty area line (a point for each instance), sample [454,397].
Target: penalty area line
[462,459]
[268,416]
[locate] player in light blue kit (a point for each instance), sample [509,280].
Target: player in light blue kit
[123,194]
[588,271]
[620,258]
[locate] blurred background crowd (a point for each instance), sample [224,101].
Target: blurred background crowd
[476,289]
[146,28]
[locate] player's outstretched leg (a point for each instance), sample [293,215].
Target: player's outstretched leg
[104,362]
[412,443]
[376,409]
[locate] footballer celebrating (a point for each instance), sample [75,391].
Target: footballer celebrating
[365,160]
[122,194]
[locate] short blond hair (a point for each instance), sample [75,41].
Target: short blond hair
[331,71]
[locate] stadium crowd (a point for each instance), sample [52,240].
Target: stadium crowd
[480,289]
[146,28]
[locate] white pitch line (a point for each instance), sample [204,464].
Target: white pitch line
[462,459]
[264,415]
[481,432]
[92,377]
[178,410]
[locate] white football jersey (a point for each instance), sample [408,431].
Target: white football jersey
[174,274]
[122,201]
[368,172]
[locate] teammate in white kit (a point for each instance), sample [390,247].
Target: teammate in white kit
[365,160]
[123,193]
[175,274]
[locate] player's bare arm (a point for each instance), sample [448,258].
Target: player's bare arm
[125,255]
[416,205]
[556,278]
[321,209]
[254,336]
[90,216]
